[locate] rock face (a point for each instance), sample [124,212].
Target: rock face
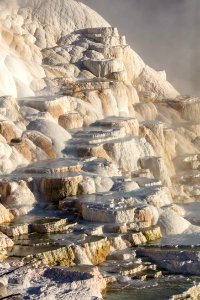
[61,283]
[5,242]
[5,215]
[100,49]
[17,195]
[48,227]
[24,30]
[67,15]
[176,261]
[171,223]
[96,148]
[21,63]
[192,293]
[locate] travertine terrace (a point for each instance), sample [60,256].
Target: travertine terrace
[99,155]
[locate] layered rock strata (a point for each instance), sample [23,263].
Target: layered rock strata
[96,149]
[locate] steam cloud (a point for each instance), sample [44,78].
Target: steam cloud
[164,33]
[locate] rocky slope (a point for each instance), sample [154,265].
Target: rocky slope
[98,150]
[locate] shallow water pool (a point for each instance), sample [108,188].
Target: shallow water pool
[163,291]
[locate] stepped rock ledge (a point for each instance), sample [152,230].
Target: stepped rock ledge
[99,159]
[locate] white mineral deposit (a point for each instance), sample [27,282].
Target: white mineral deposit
[99,163]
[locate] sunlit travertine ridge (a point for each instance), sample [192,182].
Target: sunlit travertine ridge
[99,157]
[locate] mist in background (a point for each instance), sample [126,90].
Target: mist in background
[165,33]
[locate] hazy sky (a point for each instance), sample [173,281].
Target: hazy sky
[166,33]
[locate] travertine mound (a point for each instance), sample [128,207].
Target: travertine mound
[83,47]
[96,149]
[20,70]
[49,20]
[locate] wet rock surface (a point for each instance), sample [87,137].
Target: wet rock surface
[98,153]
[192,293]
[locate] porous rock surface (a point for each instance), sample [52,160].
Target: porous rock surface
[96,148]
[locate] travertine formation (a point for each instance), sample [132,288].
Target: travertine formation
[97,153]
[192,294]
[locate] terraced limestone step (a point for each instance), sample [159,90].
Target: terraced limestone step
[56,166]
[183,261]
[12,230]
[49,225]
[82,86]
[124,207]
